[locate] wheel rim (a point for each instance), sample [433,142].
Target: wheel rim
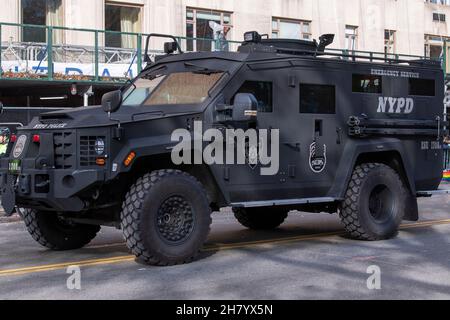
[175,220]
[381,203]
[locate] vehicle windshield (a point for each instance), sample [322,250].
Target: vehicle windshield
[175,88]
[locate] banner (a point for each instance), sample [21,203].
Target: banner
[114,70]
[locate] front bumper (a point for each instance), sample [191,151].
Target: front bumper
[50,190]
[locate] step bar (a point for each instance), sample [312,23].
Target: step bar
[324,200]
[439,192]
[288,202]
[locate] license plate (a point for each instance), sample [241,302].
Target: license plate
[15,166]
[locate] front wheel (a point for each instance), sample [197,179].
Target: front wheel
[166,218]
[375,203]
[54,232]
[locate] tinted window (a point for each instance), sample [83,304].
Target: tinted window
[262,92]
[319,99]
[367,83]
[422,87]
[182,88]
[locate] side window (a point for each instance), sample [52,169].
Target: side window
[263,92]
[367,84]
[422,87]
[320,99]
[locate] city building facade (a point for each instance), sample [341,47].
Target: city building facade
[415,27]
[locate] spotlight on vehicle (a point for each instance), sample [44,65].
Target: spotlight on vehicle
[252,36]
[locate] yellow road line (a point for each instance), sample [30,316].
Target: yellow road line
[214,247]
[224,246]
[59,266]
[425,224]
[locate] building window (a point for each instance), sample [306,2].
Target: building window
[442,2]
[201,36]
[291,29]
[389,41]
[351,38]
[122,18]
[434,46]
[366,84]
[320,99]
[263,92]
[439,17]
[41,12]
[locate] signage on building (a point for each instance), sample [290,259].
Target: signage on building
[113,70]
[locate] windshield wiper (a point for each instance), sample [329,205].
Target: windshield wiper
[131,82]
[126,84]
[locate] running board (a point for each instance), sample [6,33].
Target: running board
[278,203]
[438,192]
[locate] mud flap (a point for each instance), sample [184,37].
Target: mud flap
[9,200]
[412,209]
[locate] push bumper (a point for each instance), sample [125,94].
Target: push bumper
[52,190]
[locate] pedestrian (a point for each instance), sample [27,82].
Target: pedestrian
[220,33]
[4,140]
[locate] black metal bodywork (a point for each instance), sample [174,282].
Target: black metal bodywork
[58,174]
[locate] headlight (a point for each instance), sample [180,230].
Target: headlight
[99,146]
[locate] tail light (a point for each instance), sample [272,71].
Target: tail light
[37,138]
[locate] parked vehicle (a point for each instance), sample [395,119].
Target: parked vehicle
[356,137]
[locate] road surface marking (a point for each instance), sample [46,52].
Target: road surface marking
[208,248]
[64,265]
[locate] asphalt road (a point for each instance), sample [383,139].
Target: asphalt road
[308,258]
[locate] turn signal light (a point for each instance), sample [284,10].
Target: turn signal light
[100,161]
[37,138]
[129,159]
[13,138]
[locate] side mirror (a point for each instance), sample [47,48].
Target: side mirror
[111,101]
[245,107]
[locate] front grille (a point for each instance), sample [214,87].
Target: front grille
[88,155]
[64,146]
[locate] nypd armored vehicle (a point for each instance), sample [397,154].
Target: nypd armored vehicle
[280,125]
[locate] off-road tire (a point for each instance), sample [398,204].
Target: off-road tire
[366,216]
[141,220]
[20,212]
[260,218]
[51,232]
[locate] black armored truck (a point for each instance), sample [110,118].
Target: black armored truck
[319,131]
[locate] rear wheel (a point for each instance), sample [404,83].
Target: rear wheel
[52,231]
[260,218]
[375,203]
[166,218]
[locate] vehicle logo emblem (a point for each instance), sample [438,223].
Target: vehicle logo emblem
[99,146]
[252,155]
[317,160]
[20,146]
